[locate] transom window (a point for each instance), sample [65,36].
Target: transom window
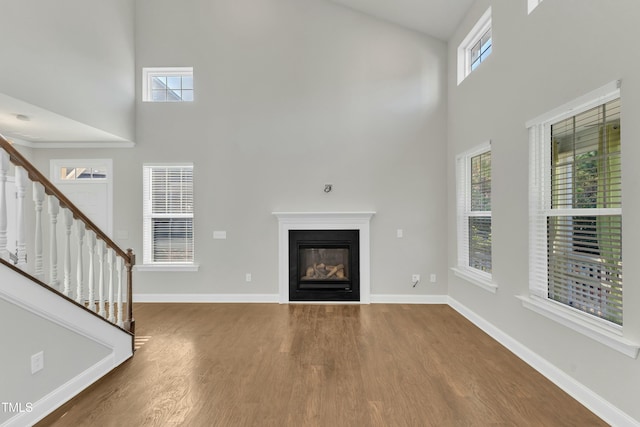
[167,84]
[168,214]
[476,46]
[576,209]
[69,173]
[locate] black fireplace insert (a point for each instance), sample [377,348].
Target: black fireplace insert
[324,265]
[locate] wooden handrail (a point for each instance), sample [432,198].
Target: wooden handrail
[19,160]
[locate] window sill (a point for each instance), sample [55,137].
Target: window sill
[476,279]
[168,267]
[609,336]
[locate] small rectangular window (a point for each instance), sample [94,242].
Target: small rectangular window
[174,84]
[476,46]
[168,214]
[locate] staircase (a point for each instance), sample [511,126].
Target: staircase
[65,295]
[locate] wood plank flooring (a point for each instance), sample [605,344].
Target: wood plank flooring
[318,365]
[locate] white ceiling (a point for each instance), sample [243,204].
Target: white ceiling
[437,18]
[21,121]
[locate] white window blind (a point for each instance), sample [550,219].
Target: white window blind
[168,214]
[473,182]
[576,216]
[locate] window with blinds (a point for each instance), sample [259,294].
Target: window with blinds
[576,221]
[168,214]
[474,210]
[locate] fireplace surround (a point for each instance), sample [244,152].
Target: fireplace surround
[288,221]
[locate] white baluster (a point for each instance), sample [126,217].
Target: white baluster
[80,237]
[38,200]
[68,223]
[100,250]
[4,168]
[110,266]
[21,246]
[91,243]
[119,265]
[54,210]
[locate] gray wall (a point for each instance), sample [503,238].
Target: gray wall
[564,49]
[72,57]
[66,355]
[290,95]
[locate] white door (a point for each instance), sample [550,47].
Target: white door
[88,184]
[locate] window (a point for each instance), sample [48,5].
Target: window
[476,47]
[167,84]
[532,4]
[168,214]
[473,190]
[575,200]
[69,173]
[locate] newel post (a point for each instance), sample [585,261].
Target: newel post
[131,261]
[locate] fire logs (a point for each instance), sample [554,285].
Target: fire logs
[322,271]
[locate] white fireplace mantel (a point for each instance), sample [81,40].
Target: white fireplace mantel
[324,221]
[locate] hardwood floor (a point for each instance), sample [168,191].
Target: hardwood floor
[318,365]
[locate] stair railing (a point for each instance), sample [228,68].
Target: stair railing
[103,281]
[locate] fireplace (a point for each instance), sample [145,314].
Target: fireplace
[324,265]
[320,221]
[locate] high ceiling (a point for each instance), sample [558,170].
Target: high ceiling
[437,18]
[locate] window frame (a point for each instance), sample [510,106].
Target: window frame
[148,73]
[540,193]
[148,263]
[474,36]
[464,212]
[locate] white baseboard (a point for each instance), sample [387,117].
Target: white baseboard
[408,299]
[63,394]
[207,298]
[591,400]
[274,298]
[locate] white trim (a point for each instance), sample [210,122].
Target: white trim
[149,72]
[463,210]
[587,397]
[608,336]
[324,221]
[206,298]
[408,299]
[63,394]
[54,176]
[471,276]
[168,267]
[88,144]
[464,49]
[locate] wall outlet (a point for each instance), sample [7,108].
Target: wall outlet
[432,278]
[37,362]
[399,233]
[415,278]
[247,277]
